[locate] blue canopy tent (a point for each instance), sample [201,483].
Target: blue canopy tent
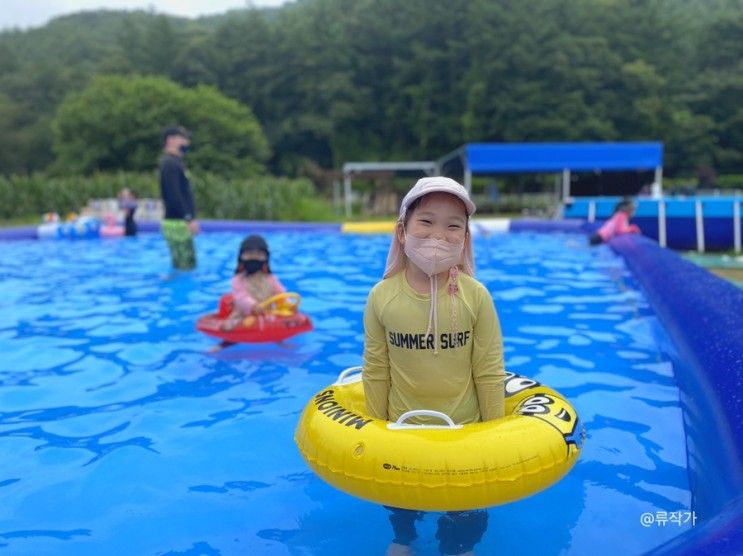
[502,158]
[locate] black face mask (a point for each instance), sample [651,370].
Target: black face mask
[183,149]
[251,266]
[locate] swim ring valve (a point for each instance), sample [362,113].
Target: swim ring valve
[401,424]
[343,377]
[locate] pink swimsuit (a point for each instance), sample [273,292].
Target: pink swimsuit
[245,300]
[616,225]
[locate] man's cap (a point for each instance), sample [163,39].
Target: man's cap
[175,130]
[436,184]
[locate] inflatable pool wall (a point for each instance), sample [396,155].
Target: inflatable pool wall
[703,316]
[689,222]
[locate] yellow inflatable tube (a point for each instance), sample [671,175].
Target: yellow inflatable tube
[368,227]
[445,467]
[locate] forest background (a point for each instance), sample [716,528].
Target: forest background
[281,98]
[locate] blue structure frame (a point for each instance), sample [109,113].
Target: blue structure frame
[700,222]
[502,158]
[555,157]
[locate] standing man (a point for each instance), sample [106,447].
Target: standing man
[179,224]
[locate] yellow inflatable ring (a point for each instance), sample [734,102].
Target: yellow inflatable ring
[369,227]
[445,467]
[282,304]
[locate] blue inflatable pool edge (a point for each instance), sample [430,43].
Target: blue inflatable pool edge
[246,226]
[721,535]
[18,232]
[703,315]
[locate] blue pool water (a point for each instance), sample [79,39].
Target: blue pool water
[121,434]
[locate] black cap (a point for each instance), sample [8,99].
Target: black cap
[254,243]
[175,130]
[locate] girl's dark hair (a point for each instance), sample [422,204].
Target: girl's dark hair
[411,209]
[253,243]
[624,205]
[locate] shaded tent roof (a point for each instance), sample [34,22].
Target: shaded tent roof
[483,158]
[499,158]
[511,158]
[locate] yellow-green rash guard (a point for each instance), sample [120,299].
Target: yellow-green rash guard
[464,379]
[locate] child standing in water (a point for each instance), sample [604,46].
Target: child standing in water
[128,203]
[432,338]
[253,281]
[618,223]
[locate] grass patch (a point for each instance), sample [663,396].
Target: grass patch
[17,221]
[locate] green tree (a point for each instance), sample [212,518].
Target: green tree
[115,124]
[337,80]
[718,88]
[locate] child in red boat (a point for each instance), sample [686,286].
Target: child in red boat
[253,281]
[618,223]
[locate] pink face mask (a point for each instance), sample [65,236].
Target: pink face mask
[433,256]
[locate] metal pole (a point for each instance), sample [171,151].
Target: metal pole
[699,216]
[565,184]
[662,223]
[591,211]
[347,193]
[736,225]
[659,178]
[336,196]
[467,178]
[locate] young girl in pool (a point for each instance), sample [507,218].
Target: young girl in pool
[618,224]
[253,281]
[432,337]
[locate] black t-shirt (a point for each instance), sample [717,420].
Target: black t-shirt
[176,189]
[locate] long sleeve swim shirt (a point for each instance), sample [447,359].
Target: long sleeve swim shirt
[175,189]
[464,379]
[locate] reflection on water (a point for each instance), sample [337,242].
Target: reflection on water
[122,434]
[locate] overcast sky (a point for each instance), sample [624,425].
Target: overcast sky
[35,13]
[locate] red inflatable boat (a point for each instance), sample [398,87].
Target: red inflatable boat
[280,321]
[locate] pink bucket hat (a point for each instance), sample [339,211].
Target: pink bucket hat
[437,184]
